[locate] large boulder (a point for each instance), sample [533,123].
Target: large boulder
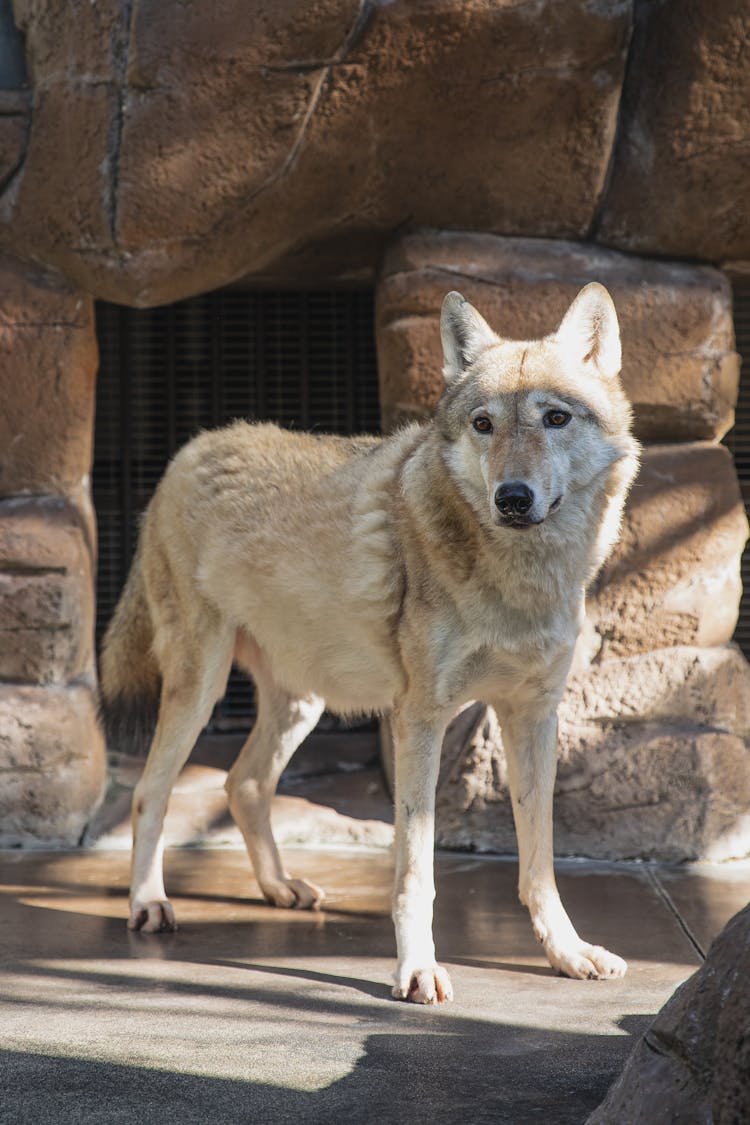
[654,763]
[174,148]
[680,369]
[680,168]
[693,1063]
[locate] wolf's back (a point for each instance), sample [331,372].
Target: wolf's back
[130,681]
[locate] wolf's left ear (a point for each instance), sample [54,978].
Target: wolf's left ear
[465,334]
[590,332]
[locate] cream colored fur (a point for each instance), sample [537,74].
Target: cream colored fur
[381,575]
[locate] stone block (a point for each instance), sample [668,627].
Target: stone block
[46,591]
[680,369]
[679,173]
[693,1063]
[48,363]
[654,763]
[52,761]
[674,576]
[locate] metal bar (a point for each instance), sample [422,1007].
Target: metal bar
[738,442]
[260,357]
[304,347]
[171,362]
[350,366]
[217,385]
[126,451]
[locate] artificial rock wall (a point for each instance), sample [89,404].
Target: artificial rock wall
[655,754]
[161,148]
[156,149]
[52,762]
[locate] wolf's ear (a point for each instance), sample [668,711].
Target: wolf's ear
[590,333]
[464,334]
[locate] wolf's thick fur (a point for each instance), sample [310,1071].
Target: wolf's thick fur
[404,575]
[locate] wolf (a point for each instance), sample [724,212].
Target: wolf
[403,576]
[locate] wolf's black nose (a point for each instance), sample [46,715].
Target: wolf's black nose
[514,498]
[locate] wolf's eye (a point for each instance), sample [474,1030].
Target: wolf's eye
[482,424]
[556,419]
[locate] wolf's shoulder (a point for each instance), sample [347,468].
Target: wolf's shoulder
[246,451]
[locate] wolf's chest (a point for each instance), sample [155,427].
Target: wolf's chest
[492,648]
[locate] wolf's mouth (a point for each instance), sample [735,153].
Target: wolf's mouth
[518,523]
[524,522]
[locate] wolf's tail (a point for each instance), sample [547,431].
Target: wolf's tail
[130,681]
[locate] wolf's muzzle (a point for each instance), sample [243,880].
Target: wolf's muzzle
[514,502]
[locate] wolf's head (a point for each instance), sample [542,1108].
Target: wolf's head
[529,423]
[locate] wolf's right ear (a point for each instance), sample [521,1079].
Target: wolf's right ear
[590,333]
[464,334]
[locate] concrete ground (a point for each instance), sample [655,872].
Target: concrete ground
[251,1014]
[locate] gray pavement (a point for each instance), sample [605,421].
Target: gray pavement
[251,1014]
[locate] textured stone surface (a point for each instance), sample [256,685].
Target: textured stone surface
[48,361]
[655,763]
[174,148]
[674,576]
[191,146]
[679,177]
[15,113]
[67,177]
[693,1063]
[680,369]
[52,764]
[46,591]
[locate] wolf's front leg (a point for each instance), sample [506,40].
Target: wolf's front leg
[417,757]
[531,750]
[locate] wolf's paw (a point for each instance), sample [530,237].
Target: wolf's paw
[156,917]
[424,986]
[586,962]
[296,894]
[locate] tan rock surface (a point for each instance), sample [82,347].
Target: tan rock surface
[173,149]
[679,175]
[191,145]
[674,576]
[654,763]
[46,591]
[48,362]
[680,368]
[52,761]
[15,114]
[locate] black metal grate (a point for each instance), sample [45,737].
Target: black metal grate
[303,359]
[738,441]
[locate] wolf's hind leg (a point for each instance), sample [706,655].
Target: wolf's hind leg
[192,682]
[283,721]
[530,743]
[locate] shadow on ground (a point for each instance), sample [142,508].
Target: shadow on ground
[470,1072]
[251,1014]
